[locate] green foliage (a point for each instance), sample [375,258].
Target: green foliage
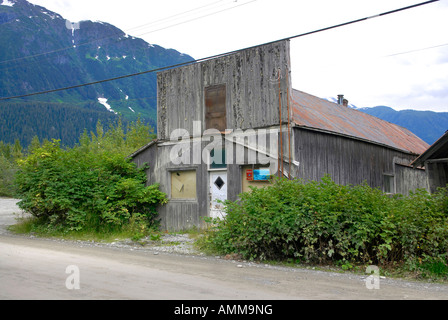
[323,222]
[92,185]
[9,153]
[7,171]
[117,138]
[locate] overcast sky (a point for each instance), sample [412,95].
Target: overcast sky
[399,60]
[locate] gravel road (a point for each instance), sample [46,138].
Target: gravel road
[35,268]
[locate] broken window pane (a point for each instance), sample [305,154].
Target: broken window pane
[183,185]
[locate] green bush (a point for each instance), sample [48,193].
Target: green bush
[421,228]
[91,186]
[323,222]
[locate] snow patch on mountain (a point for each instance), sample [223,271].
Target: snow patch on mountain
[103,101]
[52,16]
[7,3]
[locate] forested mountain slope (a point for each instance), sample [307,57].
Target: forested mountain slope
[41,51]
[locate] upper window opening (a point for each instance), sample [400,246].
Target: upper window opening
[215,107]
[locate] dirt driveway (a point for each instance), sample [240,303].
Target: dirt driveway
[33,268]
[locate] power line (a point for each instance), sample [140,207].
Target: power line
[174,16]
[223,54]
[186,13]
[416,50]
[197,18]
[363,19]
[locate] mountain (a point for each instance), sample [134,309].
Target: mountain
[428,125]
[41,51]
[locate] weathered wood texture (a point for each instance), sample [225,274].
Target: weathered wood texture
[409,179]
[252,78]
[437,175]
[349,161]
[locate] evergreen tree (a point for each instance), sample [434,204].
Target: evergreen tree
[35,144]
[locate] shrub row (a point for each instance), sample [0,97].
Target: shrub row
[323,222]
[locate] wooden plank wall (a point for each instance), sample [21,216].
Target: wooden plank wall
[409,179]
[252,81]
[437,175]
[347,161]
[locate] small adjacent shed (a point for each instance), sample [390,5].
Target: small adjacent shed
[435,161]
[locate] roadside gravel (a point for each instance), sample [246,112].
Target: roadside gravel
[167,243]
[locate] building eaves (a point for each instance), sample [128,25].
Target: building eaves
[434,151]
[131,156]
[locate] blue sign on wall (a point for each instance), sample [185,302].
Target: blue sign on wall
[261,174]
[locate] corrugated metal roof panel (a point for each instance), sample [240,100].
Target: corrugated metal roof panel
[313,112]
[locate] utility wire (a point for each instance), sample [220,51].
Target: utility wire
[125,35]
[174,17]
[120,34]
[223,54]
[197,18]
[416,50]
[362,19]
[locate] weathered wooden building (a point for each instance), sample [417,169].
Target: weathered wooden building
[226,124]
[435,162]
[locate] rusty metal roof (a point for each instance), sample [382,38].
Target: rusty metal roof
[316,113]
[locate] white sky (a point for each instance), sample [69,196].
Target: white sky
[382,61]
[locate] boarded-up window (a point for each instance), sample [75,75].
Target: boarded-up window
[215,107]
[183,185]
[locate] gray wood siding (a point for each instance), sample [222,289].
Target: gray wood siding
[437,175]
[346,160]
[252,82]
[409,179]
